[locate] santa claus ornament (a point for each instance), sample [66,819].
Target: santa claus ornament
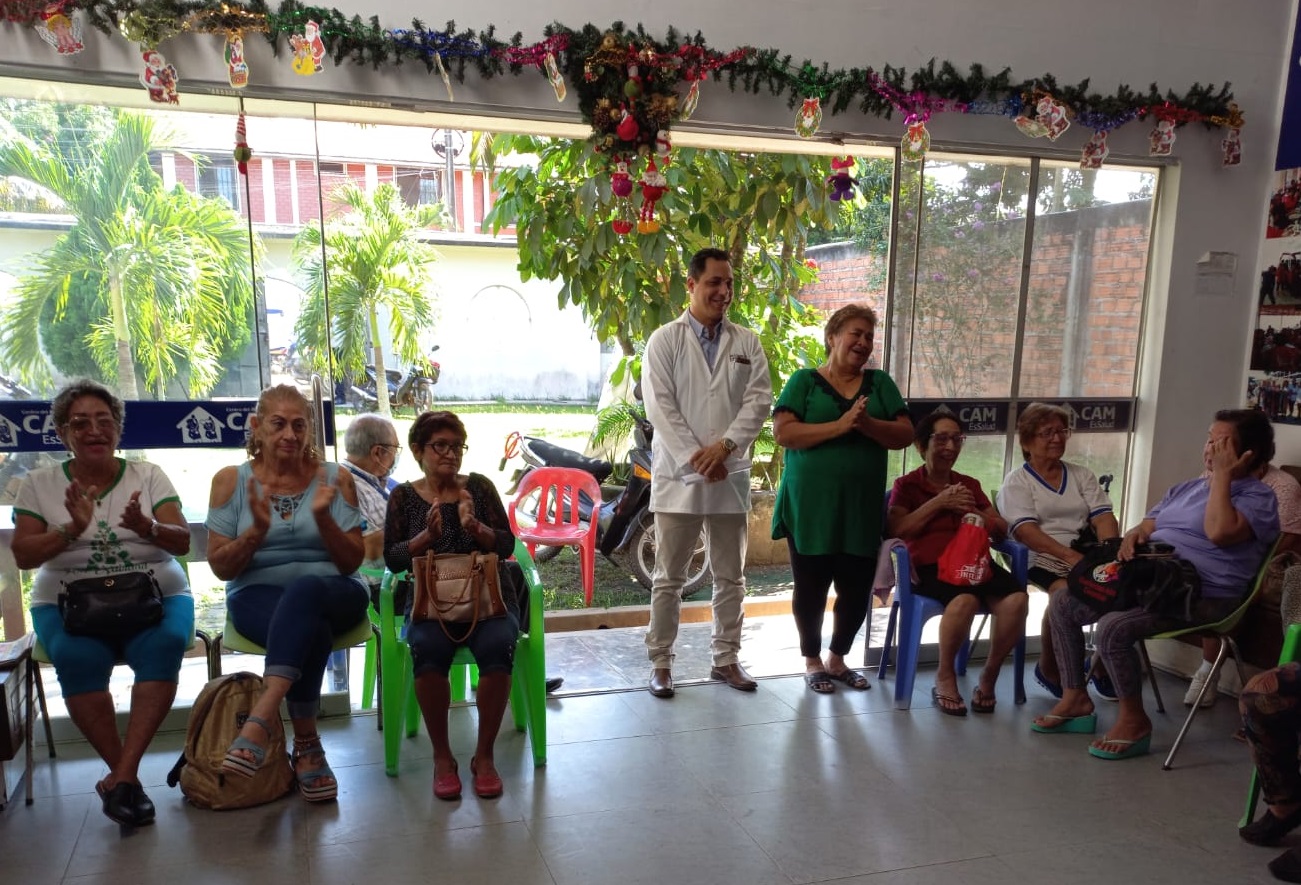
[916,142]
[308,50]
[159,78]
[653,187]
[1162,138]
[236,66]
[1095,151]
[1232,147]
[553,76]
[243,153]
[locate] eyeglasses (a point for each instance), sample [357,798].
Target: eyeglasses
[943,439]
[442,447]
[390,447]
[81,424]
[1054,433]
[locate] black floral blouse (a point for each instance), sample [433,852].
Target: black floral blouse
[408,514]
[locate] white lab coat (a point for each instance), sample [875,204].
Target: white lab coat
[692,407]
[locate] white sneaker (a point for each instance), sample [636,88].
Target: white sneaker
[1212,693]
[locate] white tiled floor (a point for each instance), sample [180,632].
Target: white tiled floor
[713,786]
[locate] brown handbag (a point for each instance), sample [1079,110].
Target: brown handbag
[459,589]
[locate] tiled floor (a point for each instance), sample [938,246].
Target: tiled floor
[713,786]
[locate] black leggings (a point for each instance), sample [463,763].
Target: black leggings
[813,576]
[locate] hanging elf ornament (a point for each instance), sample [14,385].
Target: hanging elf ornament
[653,187]
[236,66]
[159,78]
[1095,151]
[308,50]
[243,153]
[553,76]
[61,28]
[809,119]
[840,181]
[916,142]
[1162,138]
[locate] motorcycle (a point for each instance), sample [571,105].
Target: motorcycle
[364,393]
[417,388]
[625,527]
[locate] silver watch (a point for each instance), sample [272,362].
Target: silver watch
[728,445]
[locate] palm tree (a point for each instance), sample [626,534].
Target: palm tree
[171,271]
[373,257]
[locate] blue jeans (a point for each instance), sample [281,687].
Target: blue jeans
[84,663]
[297,624]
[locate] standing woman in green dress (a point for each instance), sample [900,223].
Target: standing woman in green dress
[836,423]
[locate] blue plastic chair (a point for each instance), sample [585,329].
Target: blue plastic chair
[911,611]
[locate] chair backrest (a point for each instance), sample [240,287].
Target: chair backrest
[558,490]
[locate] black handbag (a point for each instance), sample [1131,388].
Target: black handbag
[113,607]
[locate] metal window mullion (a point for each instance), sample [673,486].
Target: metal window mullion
[891,252]
[1023,300]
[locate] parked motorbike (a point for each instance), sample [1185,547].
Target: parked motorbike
[363,393]
[417,388]
[625,527]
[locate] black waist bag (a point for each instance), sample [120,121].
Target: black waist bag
[1167,586]
[113,608]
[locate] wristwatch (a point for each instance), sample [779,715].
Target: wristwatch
[153,529]
[728,445]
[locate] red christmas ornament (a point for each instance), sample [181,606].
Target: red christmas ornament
[627,130]
[653,187]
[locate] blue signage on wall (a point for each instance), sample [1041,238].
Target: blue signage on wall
[980,416]
[26,425]
[1289,134]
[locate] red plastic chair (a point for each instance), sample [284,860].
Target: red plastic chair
[558,521]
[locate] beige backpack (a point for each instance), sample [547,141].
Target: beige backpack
[215,720]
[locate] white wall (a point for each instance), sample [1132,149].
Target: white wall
[1195,353]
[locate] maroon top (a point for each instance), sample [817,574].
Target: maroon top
[910,492]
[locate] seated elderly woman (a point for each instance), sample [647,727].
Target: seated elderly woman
[1048,503]
[284,532]
[1223,526]
[926,508]
[94,516]
[448,512]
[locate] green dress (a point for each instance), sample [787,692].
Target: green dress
[831,495]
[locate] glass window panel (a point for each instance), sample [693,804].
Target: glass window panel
[1088,273]
[958,266]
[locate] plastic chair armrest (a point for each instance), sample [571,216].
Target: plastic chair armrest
[1019,556]
[903,581]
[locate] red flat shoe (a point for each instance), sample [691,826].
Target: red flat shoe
[486,786]
[448,786]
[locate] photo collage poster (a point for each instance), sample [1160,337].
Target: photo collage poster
[1274,376]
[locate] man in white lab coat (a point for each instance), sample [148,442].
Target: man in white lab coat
[707,391]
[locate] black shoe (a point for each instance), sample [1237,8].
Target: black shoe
[554,683]
[119,803]
[1268,829]
[1287,866]
[143,805]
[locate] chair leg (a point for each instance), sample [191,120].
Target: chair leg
[214,659]
[910,639]
[1253,795]
[968,647]
[1151,676]
[45,712]
[1018,671]
[887,643]
[1237,660]
[1197,704]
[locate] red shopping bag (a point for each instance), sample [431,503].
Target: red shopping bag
[965,562]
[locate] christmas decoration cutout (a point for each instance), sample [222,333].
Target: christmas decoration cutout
[1162,138]
[1052,116]
[1232,147]
[553,76]
[159,78]
[1095,151]
[809,119]
[1031,126]
[61,28]
[309,50]
[916,142]
[236,66]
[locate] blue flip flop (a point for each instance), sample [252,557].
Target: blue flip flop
[1086,724]
[1140,747]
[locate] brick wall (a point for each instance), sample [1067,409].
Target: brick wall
[1094,259]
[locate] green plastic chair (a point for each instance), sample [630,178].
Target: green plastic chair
[1291,653]
[1221,630]
[230,638]
[401,713]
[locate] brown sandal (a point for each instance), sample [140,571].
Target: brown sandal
[981,702]
[949,705]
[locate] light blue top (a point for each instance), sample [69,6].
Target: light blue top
[708,339]
[293,546]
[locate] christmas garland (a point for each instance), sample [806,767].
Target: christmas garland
[627,82]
